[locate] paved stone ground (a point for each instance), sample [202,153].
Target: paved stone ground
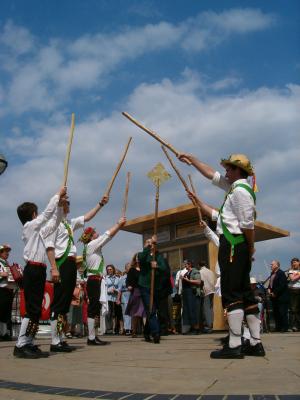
[178,368]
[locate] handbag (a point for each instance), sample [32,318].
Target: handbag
[17,274]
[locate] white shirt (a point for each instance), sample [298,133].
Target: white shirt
[36,231]
[94,255]
[3,268]
[239,208]
[59,239]
[208,278]
[294,284]
[178,280]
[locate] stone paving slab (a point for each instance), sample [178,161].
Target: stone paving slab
[179,369]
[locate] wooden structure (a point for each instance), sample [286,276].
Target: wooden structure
[180,237]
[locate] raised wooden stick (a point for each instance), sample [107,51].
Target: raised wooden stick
[125,201]
[194,191]
[152,133]
[108,190]
[175,169]
[67,159]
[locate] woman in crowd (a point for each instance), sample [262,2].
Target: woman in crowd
[135,308]
[123,298]
[114,310]
[294,289]
[191,298]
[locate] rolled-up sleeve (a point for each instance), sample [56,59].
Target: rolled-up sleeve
[220,181]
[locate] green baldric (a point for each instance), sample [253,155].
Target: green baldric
[234,240]
[98,271]
[63,258]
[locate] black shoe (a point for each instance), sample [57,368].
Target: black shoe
[156,339]
[207,330]
[95,342]
[60,348]
[256,351]
[101,342]
[38,351]
[67,346]
[194,332]
[25,352]
[228,352]
[147,338]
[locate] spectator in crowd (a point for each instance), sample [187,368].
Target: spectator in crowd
[179,275]
[151,260]
[191,298]
[163,303]
[135,307]
[294,290]
[123,298]
[208,278]
[114,310]
[6,294]
[278,291]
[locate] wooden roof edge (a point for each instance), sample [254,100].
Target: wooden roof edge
[161,214]
[264,225]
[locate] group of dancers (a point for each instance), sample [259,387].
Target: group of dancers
[49,235]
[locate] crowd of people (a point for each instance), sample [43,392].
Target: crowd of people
[89,298]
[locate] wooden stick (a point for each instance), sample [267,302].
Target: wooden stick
[108,190]
[152,133]
[194,191]
[125,201]
[175,169]
[67,159]
[154,247]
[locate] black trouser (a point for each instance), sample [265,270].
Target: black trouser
[93,292]
[63,290]
[34,279]
[163,314]
[6,300]
[295,308]
[235,277]
[280,314]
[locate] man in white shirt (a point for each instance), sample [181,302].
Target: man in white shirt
[235,227]
[36,228]
[93,262]
[61,252]
[208,278]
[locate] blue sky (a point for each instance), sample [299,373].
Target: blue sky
[213,78]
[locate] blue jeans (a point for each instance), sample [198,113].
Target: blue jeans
[152,324]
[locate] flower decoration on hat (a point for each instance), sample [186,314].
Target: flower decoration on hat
[87,235]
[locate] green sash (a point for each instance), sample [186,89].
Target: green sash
[232,239]
[98,271]
[63,258]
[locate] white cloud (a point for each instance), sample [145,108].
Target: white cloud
[45,80]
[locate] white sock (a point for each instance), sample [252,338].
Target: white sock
[253,322]
[2,328]
[54,336]
[235,320]
[91,328]
[23,339]
[246,333]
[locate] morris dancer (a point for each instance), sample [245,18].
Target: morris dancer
[93,263]
[61,252]
[235,227]
[35,230]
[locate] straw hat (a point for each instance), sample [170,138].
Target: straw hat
[79,259]
[5,247]
[241,161]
